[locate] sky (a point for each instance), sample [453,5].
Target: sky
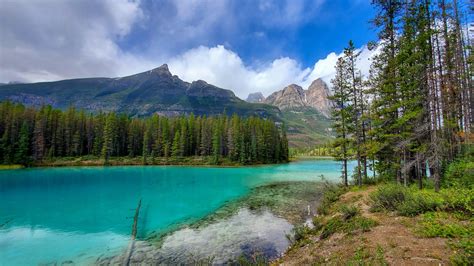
[242,45]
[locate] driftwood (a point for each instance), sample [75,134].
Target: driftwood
[128,255]
[5,223]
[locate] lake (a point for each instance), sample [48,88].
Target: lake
[79,213]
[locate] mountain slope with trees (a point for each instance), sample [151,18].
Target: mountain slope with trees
[152,92]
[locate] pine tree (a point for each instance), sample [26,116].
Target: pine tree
[108,138]
[22,153]
[176,150]
[341,115]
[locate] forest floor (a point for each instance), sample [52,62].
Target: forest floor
[391,240]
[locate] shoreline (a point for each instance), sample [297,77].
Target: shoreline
[278,201]
[195,161]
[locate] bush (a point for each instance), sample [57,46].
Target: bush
[349,222]
[465,251]
[440,224]
[387,197]
[333,225]
[348,211]
[460,173]
[419,201]
[411,201]
[459,200]
[318,223]
[301,232]
[331,195]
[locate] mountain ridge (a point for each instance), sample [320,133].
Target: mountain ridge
[153,91]
[317,96]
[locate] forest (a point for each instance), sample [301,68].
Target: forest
[30,135]
[413,115]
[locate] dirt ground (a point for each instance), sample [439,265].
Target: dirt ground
[391,242]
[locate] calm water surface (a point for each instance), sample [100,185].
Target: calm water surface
[79,213]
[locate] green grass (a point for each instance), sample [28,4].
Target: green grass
[464,251]
[91,160]
[459,231]
[447,214]
[351,225]
[412,201]
[442,224]
[348,220]
[331,195]
[10,166]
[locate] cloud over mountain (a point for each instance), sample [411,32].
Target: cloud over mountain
[52,40]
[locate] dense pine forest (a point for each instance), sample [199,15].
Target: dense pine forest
[30,135]
[413,115]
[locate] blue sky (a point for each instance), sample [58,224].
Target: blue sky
[255,33]
[242,45]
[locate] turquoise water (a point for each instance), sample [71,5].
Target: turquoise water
[80,213]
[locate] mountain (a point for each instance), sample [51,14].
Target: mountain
[317,96]
[154,91]
[293,96]
[256,97]
[305,112]
[306,127]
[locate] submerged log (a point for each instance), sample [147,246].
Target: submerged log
[128,255]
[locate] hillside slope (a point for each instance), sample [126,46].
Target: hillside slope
[154,91]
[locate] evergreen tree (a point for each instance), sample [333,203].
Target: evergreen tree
[176,150]
[108,138]
[22,153]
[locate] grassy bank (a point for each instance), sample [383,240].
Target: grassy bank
[388,224]
[10,166]
[115,161]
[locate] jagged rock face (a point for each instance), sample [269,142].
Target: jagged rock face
[293,96]
[256,97]
[154,91]
[317,96]
[290,97]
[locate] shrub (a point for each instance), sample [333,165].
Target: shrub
[387,197]
[348,211]
[331,195]
[439,224]
[459,200]
[418,201]
[411,201]
[318,223]
[300,234]
[333,225]
[460,173]
[349,225]
[464,251]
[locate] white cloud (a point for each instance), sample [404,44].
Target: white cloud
[52,40]
[224,68]
[325,68]
[47,40]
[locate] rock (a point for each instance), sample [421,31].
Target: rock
[290,97]
[256,97]
[293,96]
[317,96]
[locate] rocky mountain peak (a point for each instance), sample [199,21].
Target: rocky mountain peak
[317,96]
[256,97]
[290,97]
[162,70]
[293,96]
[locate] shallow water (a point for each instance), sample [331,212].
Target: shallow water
[80,213]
